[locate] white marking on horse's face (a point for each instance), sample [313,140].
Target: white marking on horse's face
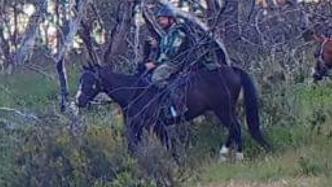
[94,86]
[79,93]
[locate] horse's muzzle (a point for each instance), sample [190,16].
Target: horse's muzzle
[82,101]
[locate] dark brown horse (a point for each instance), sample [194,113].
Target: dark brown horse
[323,54]
[204,90]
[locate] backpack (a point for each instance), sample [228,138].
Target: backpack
[202,48]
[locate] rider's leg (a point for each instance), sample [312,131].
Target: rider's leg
[161,74]
[159,78]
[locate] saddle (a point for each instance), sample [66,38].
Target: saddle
[172,97]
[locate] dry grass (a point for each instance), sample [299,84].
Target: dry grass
[294,182]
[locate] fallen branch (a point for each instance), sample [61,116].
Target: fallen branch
[40,71]
[20,113]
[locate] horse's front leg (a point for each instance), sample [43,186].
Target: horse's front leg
[225,149]
[134,132]
[132,140]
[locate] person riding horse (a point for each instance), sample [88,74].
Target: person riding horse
[216,91]
[170,46]
[171,57]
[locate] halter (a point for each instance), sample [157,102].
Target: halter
[97,77]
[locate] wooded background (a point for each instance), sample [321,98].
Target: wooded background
[39,145]
[42,31]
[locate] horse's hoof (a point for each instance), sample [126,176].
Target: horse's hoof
[239,156]
[223,153]
[224,150]
[222,158]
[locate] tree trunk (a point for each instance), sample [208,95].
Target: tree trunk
[25,50]
[119,34]
[5,51]
[211,11]
[61,69]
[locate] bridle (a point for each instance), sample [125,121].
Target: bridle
[99,86]
[98,79]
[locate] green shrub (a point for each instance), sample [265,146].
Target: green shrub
[49,155]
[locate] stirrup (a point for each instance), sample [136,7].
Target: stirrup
[173,112]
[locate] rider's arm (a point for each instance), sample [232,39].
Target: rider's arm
[171,48]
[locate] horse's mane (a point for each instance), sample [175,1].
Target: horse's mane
[128,79]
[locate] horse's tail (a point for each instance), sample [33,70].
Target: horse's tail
[251,105]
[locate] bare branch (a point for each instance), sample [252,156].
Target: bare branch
[5,49]
[117,43]
[20,113]
[73,25]
[40,71]
[29,39]
[151,23]
[87,39]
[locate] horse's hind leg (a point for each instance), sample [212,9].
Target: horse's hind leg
[234,136]
[239,141]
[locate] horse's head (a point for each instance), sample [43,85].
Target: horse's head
[90,86]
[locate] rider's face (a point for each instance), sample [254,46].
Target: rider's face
[281,2]
[164,22]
